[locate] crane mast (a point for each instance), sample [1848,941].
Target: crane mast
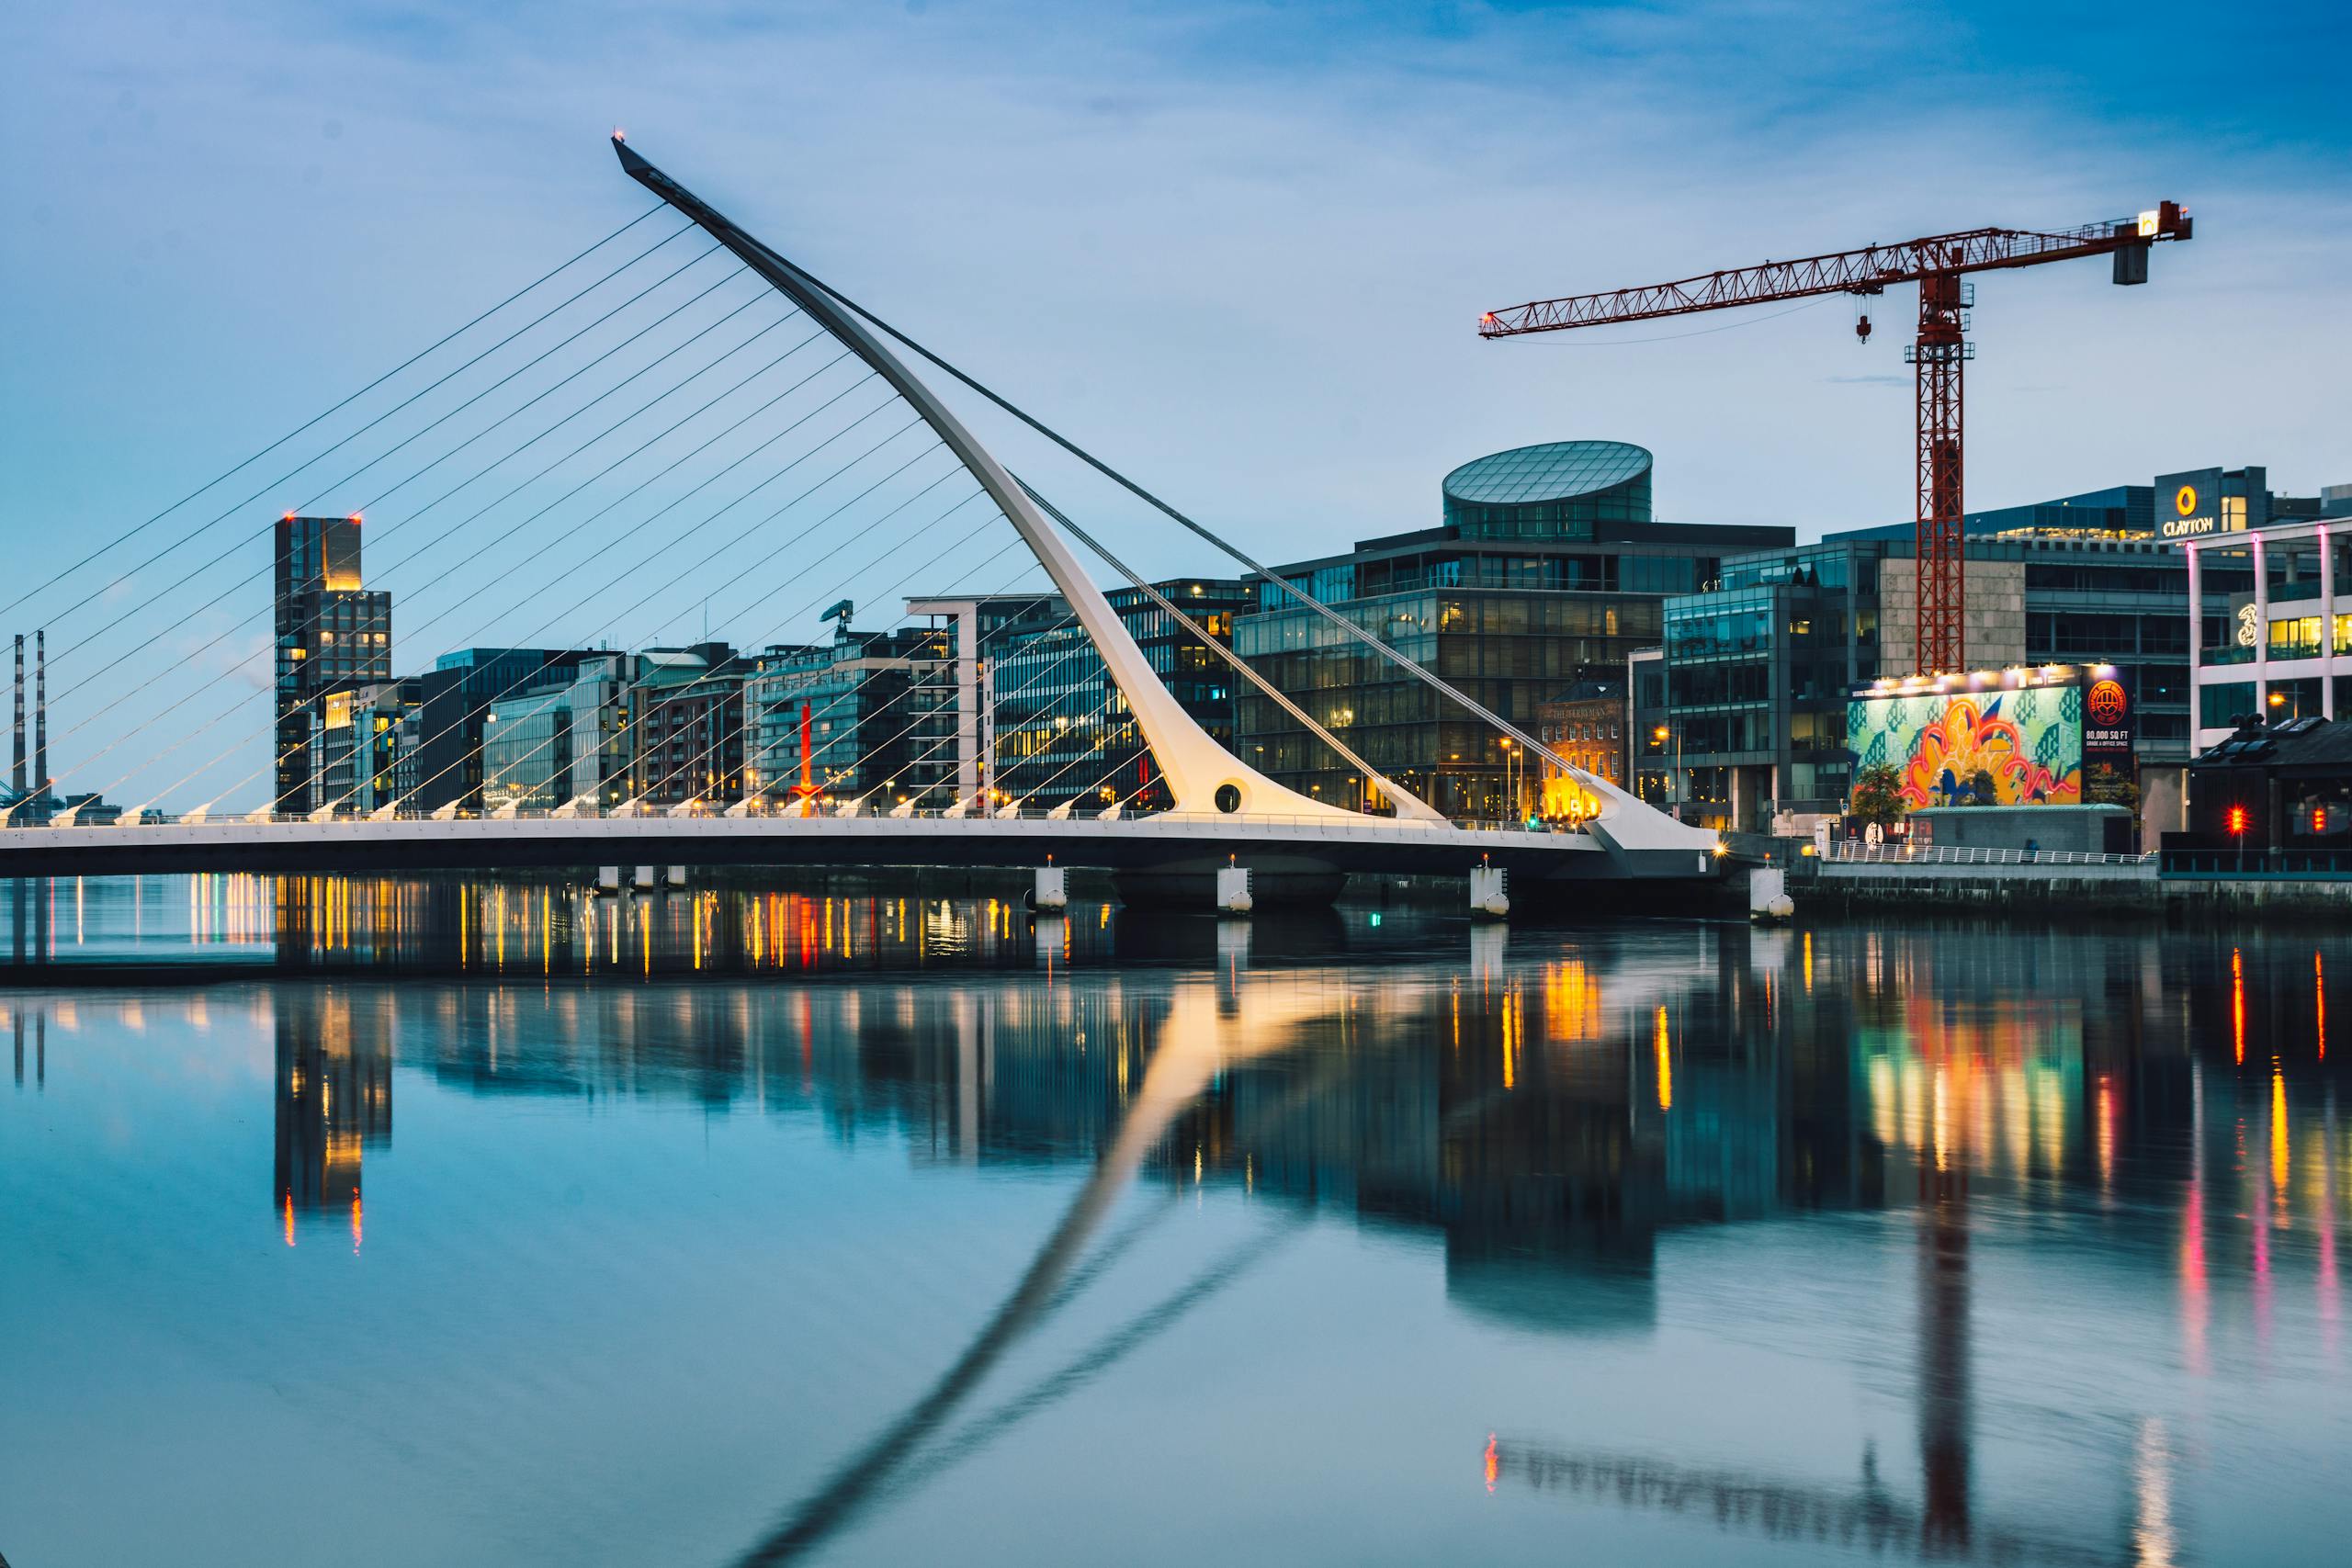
[1937,263]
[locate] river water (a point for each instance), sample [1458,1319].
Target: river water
[400,1222]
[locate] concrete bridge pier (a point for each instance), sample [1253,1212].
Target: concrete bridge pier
[1489,892]
[608,879]
[1275,881]
[643,879]
[1052,893]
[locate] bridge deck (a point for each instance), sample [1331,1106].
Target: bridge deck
[473,844]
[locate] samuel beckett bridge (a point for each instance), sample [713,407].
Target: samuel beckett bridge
[625,476]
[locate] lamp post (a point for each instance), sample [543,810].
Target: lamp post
[1660,735]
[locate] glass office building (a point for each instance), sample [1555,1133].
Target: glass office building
[331,636]
[877,713]
[1063,730]
[1757,671]
[1547,570]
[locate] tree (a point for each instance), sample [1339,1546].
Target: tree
[2108,787]
[1878,796]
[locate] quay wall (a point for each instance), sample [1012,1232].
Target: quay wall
[2120,891]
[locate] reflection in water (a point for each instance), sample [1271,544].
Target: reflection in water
[455,925]
[2151,1120]
[334,1102]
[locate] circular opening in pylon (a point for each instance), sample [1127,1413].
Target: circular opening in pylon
[1228,798]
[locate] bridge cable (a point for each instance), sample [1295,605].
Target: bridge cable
[744,727]
[1359,633]
[241,543]
[674,503]
[511,532]
[900,506]
[436,385]
[745,723]
[129,535]
[625,458]
[515,686]
[1227,653]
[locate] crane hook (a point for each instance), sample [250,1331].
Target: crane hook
[1862,327]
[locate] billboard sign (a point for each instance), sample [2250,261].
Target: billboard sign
[1992,738]
[2188,505]
[2110,718]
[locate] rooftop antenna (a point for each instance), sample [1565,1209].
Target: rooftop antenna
[41,712]
[18,777]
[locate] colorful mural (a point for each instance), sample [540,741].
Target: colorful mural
[1995,747]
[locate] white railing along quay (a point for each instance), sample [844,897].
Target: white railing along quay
[1853,852]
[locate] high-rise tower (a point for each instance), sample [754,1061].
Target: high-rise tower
[332,635]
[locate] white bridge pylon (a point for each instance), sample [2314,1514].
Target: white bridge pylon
[1204,778]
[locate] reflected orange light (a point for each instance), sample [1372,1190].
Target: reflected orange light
[2237,1002]
[1494,1463]
[2319,997]
[290,1217]
[2279,1151]
[355,1222]
[1665,1042]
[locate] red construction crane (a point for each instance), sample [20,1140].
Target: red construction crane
[1937,265]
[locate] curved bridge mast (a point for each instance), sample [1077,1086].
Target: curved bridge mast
[1196,768]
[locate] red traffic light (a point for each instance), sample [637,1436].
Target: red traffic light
[2239,820]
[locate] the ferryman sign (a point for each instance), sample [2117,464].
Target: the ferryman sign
[2188,505]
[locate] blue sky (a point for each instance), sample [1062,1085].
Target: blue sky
[1237,249]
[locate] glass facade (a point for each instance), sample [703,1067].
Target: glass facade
[1564,489]
[1755,675]
[1547,571]
[331,636]
[1063,730]
[877,709]
[1511,651]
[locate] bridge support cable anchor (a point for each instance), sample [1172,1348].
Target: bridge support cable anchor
[1201,775]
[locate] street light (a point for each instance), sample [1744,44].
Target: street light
[1660,735]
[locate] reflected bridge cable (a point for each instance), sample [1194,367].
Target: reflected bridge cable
[130,534]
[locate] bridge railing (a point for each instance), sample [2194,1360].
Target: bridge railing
[1316,824]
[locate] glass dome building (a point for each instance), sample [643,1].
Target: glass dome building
[1561,490]
[1546,569]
